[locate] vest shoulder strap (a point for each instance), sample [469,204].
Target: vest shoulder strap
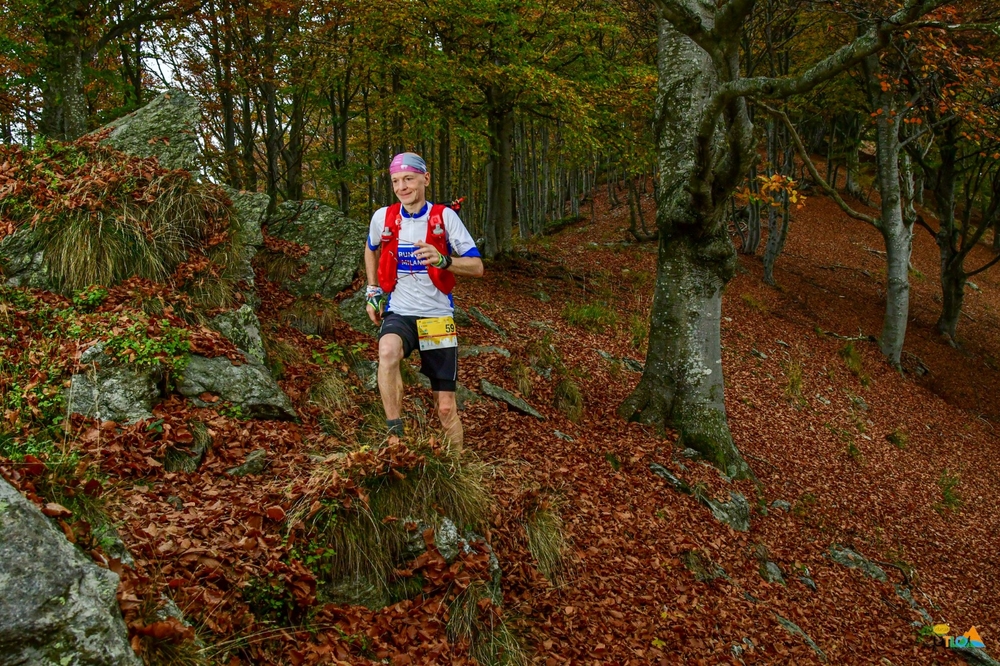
[392,218]
[437,220]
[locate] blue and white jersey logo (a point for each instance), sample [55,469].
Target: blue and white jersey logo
[408,262]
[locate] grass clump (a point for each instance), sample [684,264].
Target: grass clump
[280,354]
[852,359]
[547,543]
[793,388]
[474,618]
[898,438]
[368,539]
[592,317]
[312,315]
[754,303]
[165,640]
[331,394]
[950,499]
[521,375]
[639,328]
[568,399]
[101,216]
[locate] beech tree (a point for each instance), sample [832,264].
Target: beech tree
[706,143]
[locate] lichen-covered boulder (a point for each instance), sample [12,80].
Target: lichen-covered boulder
[249,386]
[57,608]
[353,310]
[250,209]
[242,328]
[22,260]
[111,392]
[336,244]
[166,128]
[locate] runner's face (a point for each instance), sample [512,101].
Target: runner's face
[409,187]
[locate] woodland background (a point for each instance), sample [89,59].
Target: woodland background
[833,168]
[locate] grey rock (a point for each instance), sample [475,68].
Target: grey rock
[822,399]
[795,630]
[487,322]
[771,572]
[849,558]
[628,363]
[735,512]
[366,371]
[464,351]
[111,392]
[355,591]
[250,210]
[497,393]
[254,463]
[807,580]
[461,317]
[542,325]
[690,453]
[173,116]
[632,364]
[662,472]
[22,260]
[249,386]
[57,608]
[463,395]
[703,568]
[563,436]
[977,657]
[336,244]
[782,505]
[542,296]
[353,311]
[859,403]
[447,539]
[111,542]
[906,595]
[242,328]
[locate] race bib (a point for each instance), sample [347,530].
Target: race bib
[437,333]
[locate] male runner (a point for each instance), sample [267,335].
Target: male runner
[411,271]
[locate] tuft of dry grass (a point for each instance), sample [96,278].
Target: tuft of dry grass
[547,543]
[313,315]
[568,399]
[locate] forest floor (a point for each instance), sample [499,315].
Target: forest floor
[861,454]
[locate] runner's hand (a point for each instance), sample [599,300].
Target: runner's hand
[427,254]
[375,301]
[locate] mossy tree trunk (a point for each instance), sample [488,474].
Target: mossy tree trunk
[706,145]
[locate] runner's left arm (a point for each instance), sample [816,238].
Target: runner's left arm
[466,260]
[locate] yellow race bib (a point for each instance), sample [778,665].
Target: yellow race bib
[437,333]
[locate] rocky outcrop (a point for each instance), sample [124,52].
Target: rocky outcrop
[335,243]
[165,128]
[242,328]
[111,392]
[57,608]
[248,386]
[250,209]
[503,395]
[22,260]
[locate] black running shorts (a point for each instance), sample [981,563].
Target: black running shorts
[439,365]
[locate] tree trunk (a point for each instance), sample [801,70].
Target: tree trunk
[952,293]
[499,223]
[64,110]
[682,383]
[898,237]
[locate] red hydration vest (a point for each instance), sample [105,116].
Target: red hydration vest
[436,236]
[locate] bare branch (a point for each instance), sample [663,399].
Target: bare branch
[685,20]
[730,17]
[875,222]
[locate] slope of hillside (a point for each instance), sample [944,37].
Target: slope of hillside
[861,456]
